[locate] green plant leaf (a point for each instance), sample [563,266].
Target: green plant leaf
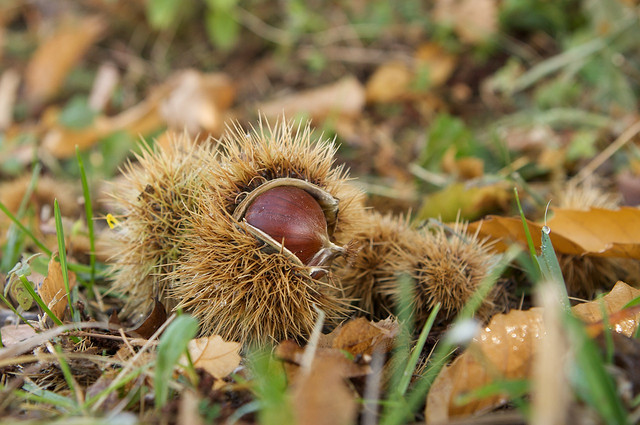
[173,344]
[162,14]
[77,113]
[222,28]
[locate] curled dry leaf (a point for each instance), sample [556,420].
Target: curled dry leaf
[52,291]
[504,350]
[344,98]
[361,336]
[57,55]
[597,232]
[215,355]
[151,324]
[623,321]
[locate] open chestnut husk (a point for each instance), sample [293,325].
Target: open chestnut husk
[256,265]
[296,218]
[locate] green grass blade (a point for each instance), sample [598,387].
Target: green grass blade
[415,354]
[403,340]
[607,332]
[26,231]
[38,299]
[89,216]
[549,266]
[173,344]
[270,387]
[527,233]
[45,397]
[62,254]
[590,378]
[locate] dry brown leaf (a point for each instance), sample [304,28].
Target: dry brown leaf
[291,353]
[52,291]
[9,85]
[215,355]
[321,396]
[389,83]
[474,21]
[152,323]
[197,102]
[13,334]
[57,55]
[504,349]
[598,232]
[344,98]
[361,336]
[437,62]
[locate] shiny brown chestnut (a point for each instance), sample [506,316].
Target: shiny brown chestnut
[292,217]
[296,218]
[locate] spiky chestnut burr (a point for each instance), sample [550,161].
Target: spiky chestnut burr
[256,264]
[381,238]
[445,268]
[150,203]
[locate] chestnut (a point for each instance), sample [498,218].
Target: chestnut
[294,217]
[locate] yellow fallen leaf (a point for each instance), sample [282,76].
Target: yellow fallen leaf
[215,355]
[389,83]
[613,302]
[597,232]
[396,80]
[504,348]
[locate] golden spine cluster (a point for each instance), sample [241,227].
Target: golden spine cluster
[187,238]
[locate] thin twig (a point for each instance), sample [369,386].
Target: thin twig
[596,162]
[125,370]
